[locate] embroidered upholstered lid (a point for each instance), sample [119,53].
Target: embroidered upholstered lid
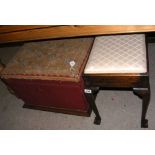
[50,60]
[118,54]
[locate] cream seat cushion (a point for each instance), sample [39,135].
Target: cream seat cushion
[118,54]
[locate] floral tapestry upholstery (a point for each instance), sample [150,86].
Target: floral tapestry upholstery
[50,60]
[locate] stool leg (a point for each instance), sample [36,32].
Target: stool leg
[143,93]
[91,100]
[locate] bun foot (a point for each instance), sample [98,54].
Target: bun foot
[144,123]
[97,121]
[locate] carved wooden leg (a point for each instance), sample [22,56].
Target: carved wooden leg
[95,92]
[143,93]
[91,100]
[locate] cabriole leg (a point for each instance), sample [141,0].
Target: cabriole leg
[144,94]
[91,100]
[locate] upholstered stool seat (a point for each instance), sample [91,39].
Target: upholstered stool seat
[118,54]
[118,61]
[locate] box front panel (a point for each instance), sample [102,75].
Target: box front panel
[58,94]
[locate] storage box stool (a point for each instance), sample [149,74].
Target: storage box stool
[46,75]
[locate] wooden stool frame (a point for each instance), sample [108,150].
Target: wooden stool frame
[139,83]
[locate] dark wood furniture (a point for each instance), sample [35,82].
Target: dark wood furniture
[139,83]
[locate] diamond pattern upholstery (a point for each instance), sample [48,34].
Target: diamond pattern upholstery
[118,54]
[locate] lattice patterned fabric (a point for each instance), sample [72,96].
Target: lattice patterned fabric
[118,54]
[50,60]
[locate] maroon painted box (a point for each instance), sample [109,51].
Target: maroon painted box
[47,75]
